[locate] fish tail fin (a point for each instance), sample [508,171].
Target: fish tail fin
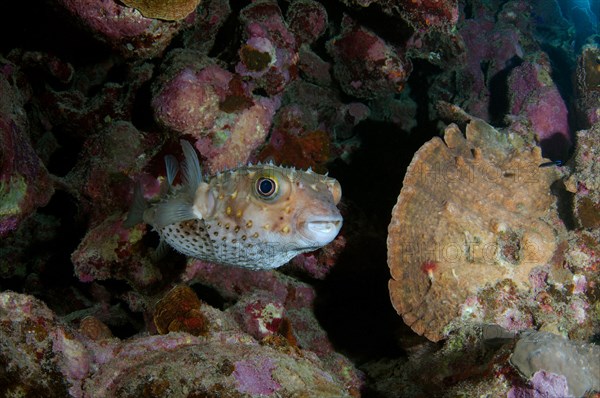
[138,207]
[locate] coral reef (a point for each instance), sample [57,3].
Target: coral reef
[472,211]
[488,238]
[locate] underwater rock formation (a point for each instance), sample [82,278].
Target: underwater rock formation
[421,14]
[269,54]
[122,28]
[365,65]
[588,84]
[216,107]
[577,362]
[111,251]
[584,182]
[25,183]
[42,356]
[472,212]
[537,106]
[307,19]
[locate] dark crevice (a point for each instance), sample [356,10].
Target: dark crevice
[499,94]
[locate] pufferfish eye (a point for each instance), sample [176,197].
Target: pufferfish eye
[266,187]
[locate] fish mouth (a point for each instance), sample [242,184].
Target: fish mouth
[324,227]
[322,230]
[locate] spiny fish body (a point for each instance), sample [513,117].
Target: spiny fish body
[257,216]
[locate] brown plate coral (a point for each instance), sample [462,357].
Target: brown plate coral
[472,212]
[169,10]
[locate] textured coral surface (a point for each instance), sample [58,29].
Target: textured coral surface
[494,239]
[472,211]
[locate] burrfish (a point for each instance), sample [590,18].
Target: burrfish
[256,216]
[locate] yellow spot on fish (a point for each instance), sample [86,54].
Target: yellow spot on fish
[314,187]
[234,195]
[285,229]
[266,227]
[227,226]
[239,213]
[255,235]
[249,224]
[287,210]
[228,210]
[237,228]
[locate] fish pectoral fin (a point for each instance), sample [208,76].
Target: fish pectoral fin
[172,167]
[138,207]
[161,251]
[172,212]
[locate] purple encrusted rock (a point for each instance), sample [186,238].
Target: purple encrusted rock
[536,101]
[122,28]
[365,65]
[269,54]
[25,183]
[307,19]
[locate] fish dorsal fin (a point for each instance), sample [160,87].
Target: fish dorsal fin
[192,174]
[172,166]
[173,211]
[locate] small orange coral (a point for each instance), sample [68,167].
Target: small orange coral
[179,311]
[169,10]
[472,212]
[94,328]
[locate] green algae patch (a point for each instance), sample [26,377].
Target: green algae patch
[12,194]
